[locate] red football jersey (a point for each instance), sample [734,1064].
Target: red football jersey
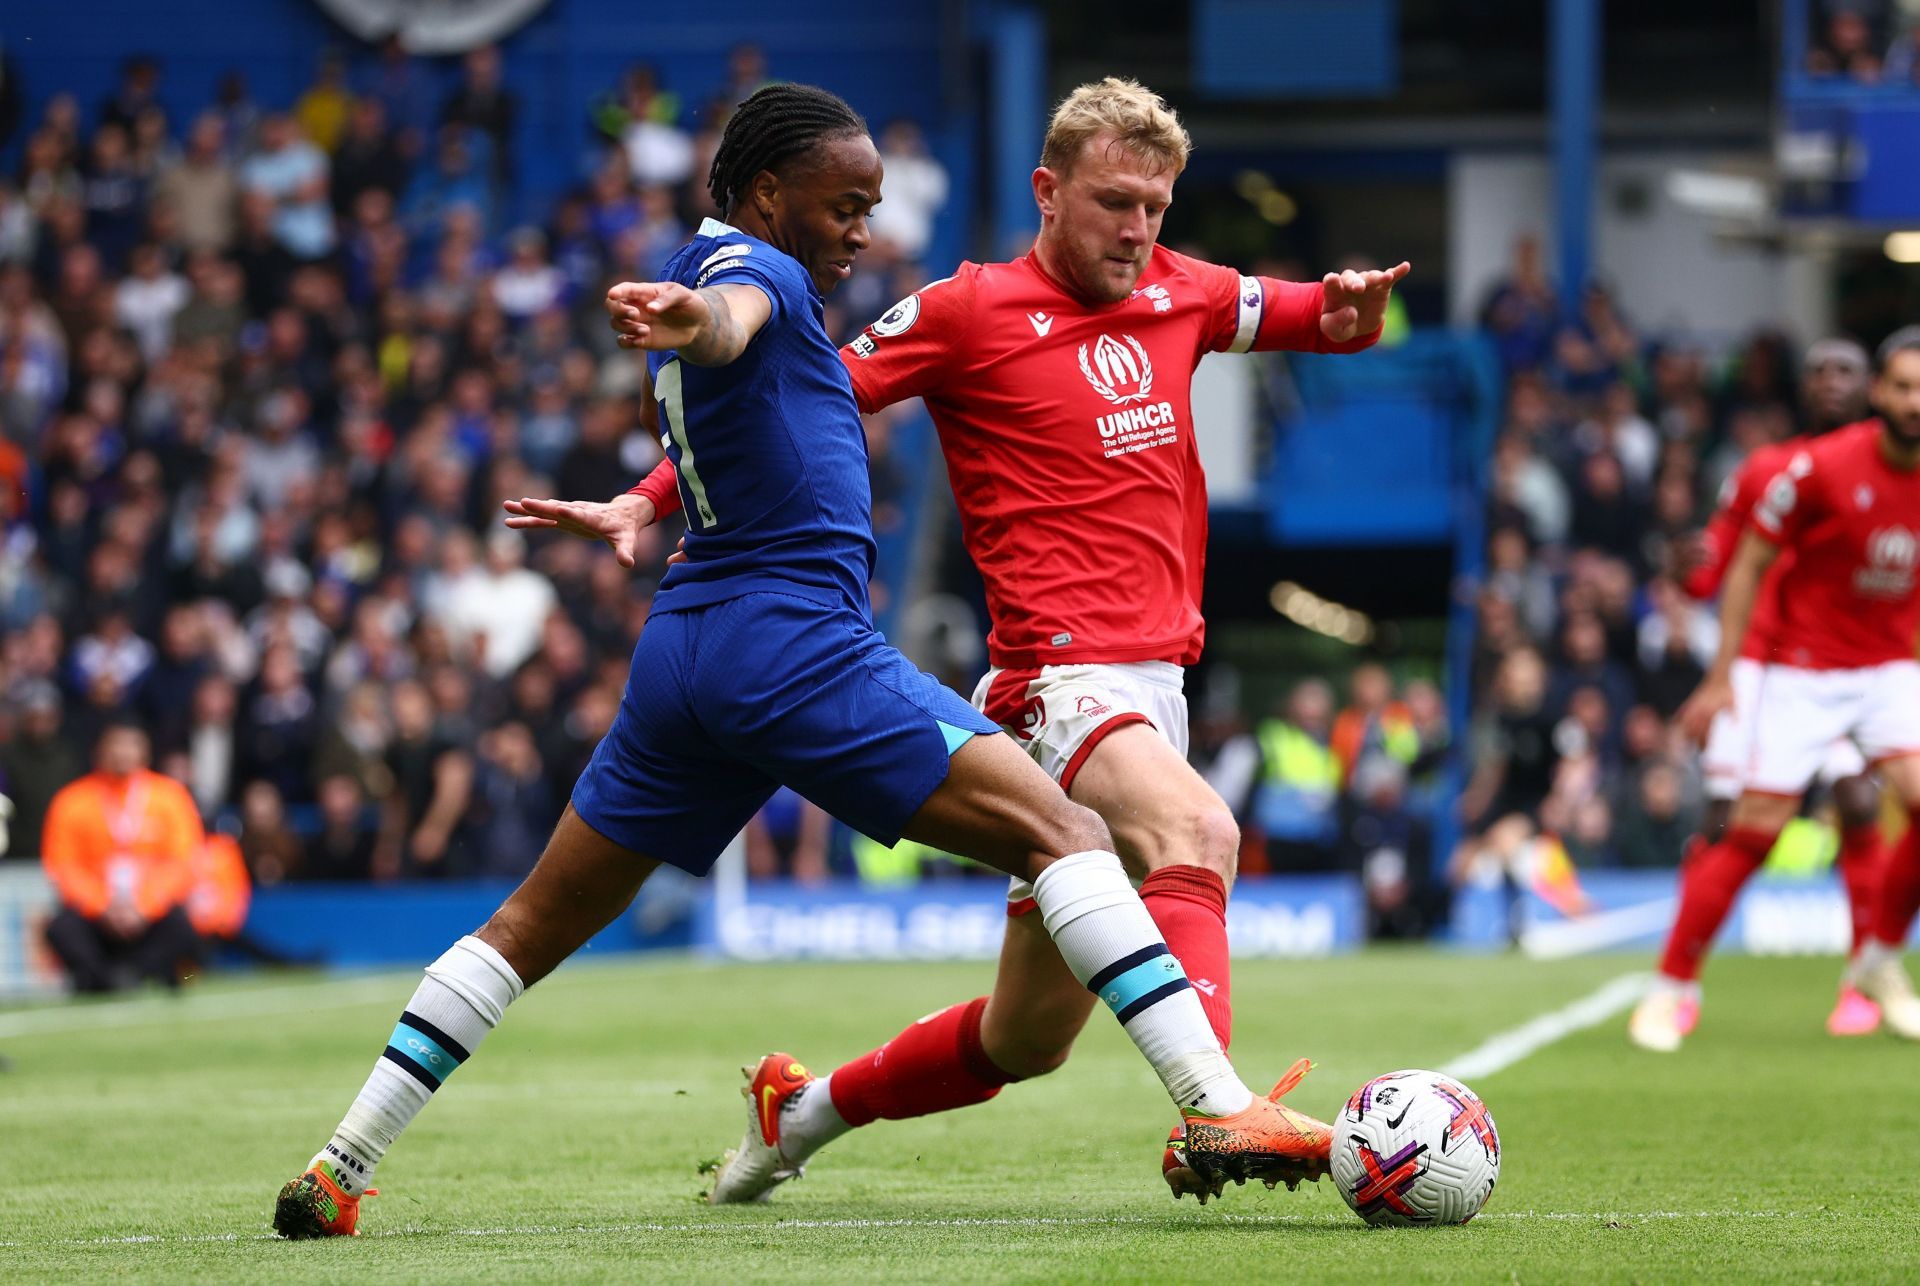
[1068,434]
[1853,521]
[1742,492]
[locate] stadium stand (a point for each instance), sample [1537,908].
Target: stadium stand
[261,399]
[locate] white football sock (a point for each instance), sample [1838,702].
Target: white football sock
[1678,988]
[1872,954]
[809,1121]
[1113,947]
[460,1000]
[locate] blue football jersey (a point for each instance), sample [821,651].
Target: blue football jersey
[770,452]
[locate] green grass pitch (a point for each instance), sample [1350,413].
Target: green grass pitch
[145,1140]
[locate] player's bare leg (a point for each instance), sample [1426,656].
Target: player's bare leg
[1709,883]
[581,882]
[1037,1008]
[1876,968]
[1856,806]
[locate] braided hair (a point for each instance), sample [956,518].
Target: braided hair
[775,125]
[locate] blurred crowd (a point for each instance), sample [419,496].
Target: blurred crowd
[267,374]
[1357,786]
[1613,450]
[1871,42]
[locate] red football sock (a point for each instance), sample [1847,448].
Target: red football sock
[1709,882]
[933,1066]
[1862,857]
[1189,906]
[1899,888]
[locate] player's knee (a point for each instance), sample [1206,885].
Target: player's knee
[1070,828]
[1216,842]
[1764,814]
[1715,823]
[1857,801]
[1208,838]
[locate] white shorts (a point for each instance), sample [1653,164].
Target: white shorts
[1799,714]
[1730,742]
[1059,713]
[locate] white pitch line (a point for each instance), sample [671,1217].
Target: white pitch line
[758,1229]
[1509,1047]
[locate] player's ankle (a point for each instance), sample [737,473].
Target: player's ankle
[1677,987]
[809,1121]
[346,1165]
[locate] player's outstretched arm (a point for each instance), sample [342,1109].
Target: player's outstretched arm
[1737,596]
[619,521]
[1356,302]
[708,327]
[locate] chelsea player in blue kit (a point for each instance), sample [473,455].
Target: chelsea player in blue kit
[759,666]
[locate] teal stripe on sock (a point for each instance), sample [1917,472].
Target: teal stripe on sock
[424,1050]
[1136,982]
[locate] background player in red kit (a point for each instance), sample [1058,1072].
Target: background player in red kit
[1060,386]
[1834,394]
[1847,506]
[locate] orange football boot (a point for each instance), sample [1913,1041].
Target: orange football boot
[1265,1141]
[1181,1177]
[313,1205]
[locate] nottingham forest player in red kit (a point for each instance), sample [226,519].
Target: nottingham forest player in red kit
[1847,508]
[1834,389]
[1060,387]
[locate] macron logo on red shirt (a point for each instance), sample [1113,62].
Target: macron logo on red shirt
[1041,323]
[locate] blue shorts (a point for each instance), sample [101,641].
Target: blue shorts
[729,701]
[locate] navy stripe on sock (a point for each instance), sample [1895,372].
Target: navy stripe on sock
[410,1067]
[1151,999]
[1124,963]
[434,1034]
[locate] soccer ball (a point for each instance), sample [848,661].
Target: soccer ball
[1415,1148]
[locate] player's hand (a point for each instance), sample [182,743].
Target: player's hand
[1714,694]
[679,554]
[656,314]
[619,521]
[124,920]
[1356,302]
[1690,553]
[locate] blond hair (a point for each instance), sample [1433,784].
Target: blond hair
[1138,119]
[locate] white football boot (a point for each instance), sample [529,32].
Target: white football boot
[753,1170]
[1886,984]
[1658,1021]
